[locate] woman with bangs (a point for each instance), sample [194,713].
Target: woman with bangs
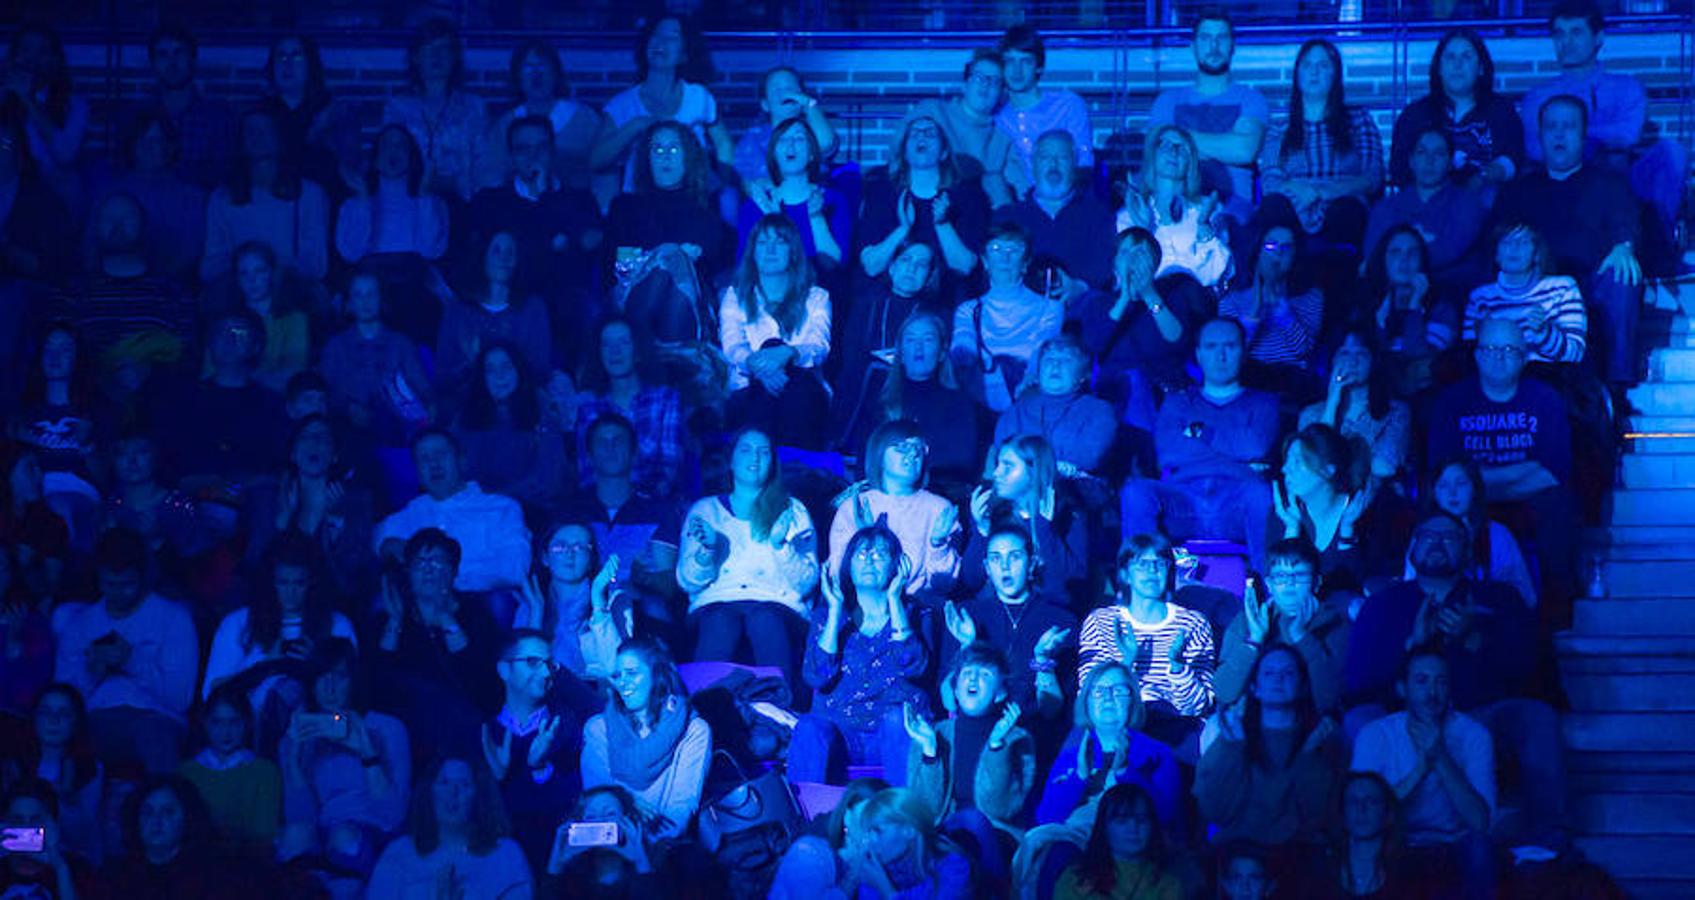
[1023,489]
[893,494]
[922,196]
[798,189]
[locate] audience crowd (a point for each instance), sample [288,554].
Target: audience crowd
[529,499]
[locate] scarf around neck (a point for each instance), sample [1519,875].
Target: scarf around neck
[637,762]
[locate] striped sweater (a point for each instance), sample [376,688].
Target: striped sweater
[1565,335]
[1189,691]
[1279,333]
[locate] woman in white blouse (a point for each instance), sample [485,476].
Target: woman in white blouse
[774,329]
[1166,199]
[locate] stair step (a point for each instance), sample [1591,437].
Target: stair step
[1638,731]
[1631,773]
[1621,536]
[1671,364]
[1659,470]
[1671,506]
[1657,888]
[1664,399]
[1662,424]
[1649,577]
[1660,445]
[1633,616]
[1656,814]
[1626,673]
[1647,859]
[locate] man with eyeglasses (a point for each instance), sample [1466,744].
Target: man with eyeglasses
[532,745]
[1226,119]
[1518,430]
[1488,638]
[981,150]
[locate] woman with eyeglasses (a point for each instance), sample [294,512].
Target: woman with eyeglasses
[537,78]
[648,740]
[573,598]
[896,461]
[1167,201]
[922,197]
[997,334]
[1548,308]
[981,150]
[1281,314]
[863,660]
[1284,607]
[670,205]
[1168,647]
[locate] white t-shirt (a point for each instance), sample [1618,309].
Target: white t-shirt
[1427,815]
[698,110]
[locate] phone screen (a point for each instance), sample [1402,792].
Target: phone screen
[23,838]
[592,834]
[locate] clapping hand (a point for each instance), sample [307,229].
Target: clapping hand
[981,499]
[1174,659]
[542,744]
[959,623]
[1047,646]
[498,754]
[921,731]
[1288,512]
[600,593]
[1256,613]
[1128,647]
[943,528]
[1004,725]
[939,208]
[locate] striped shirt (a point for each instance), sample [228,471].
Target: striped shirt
[1565,335]
[1189,691]
[1317,159]
[1279,334]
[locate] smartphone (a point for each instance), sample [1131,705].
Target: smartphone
[26,838]
[592,834]
[329,725]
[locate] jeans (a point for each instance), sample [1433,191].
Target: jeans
[822,748]
[1614,309]
[1214,507]
[1530,731]
[719,628]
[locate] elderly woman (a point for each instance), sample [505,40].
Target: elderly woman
[996,335]
[1079,426]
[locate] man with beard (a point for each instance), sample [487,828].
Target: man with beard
[1070,228]
[123,300]
[206,127]
[1226,119]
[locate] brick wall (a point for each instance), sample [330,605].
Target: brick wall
[868,87]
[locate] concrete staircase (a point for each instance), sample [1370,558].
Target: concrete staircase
[1628,663]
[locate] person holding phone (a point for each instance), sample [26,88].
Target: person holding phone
[605,817]
[31,861]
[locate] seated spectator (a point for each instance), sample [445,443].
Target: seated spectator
[981,150]
[1322,177]
[1446,212]
[169,848]
[904,854]
[571,600]
[1166,200]
[977,767]
[794,185]
[774,329]
[1107,747]
[58,751]
[1321,495]
[670,206]
[509,444]
[489,527]
[1168,648]
[1024,490]
[171,197]
[376,374]
[1123,856]
[38,537]
[133,654]
[1069,227]
[672,68]
[613,805]
[922,197]
[1441,764]
[1364,860]
[26,639]
[1226,118]
[54,418]
[879,309]
[1058,408]
[1271,776]
[126,300]
[285,623]
[345,767]
[267,200]
[1484,135]
[1031,111]
[1033,630]
[435,657]
[748,560]
[818,856]
[531,745]
[1547,308]
[456,826]
[616,379]
[322,131]
[54,871]
[558,230]
[893,494]
[1592,225]
[539,84]
[260,290]
[783,96]
[496,307]
[1458,489]
[1139,330]
[648,740]
[1213,443]
[921,388]
[243,792]
[168,519]
[206,127]
[639,530]
[324,501]
[1291,614]
[1614,132]
[1516,428]
[39,77]
[394,214]
[439,112]
[996,335]
[1414,320]
[1282,317]
[864,663]
[36,229]
[1358,405]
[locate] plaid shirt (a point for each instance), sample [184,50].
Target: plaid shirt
[1318,159]
[208,132]
[658,417]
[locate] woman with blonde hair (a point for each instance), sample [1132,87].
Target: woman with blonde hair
[1166,199]
[899,853]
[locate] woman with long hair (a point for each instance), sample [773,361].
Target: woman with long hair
[863,661]
[1023,488]
[922,197]
[798,189]
[267,199]
[748,560]
[921,388]
[1281,314]
[493,307]
[774,329]
[1166,200]
[261,289]
[39,538]
[168,844]
[56,415]
[242,790]
[1409,314]
[894,494]
[1358,402]
[149,169]
[615,378]
[458,827]
[541,88]
[1323,492]
[1483,127]
[1456,487]
[59,749]
[37,74]
[1364,862]
[866,339]
[288,618]
[1321,163]
[1123,858]
[319,131]
[901,854]
[648,740]
[395,213]
[572,598]
[510,447]
[670,203]
[445,119]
